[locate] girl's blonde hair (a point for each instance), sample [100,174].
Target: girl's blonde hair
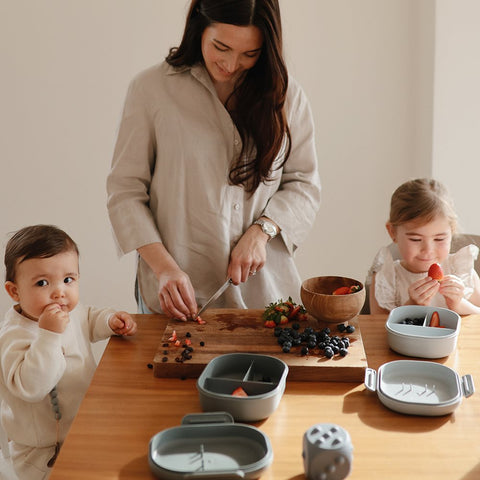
[421,199]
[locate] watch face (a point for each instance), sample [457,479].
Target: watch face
[269,229]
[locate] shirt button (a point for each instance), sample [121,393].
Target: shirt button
[236,206]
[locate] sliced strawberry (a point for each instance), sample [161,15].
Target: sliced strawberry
[177,343]
[341,291]
[173,337]
[435,271]
[354,288]
[200,321]
[435,320]
[239,392]
[283,320]
[293,312]
[269,324]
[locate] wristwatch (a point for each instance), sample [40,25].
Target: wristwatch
[267,227]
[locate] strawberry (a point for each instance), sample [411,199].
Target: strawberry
[341,291]
[270,324]
[435,320]
[239,392]
[435,271]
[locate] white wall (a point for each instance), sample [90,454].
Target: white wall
[456,138]
[367,67]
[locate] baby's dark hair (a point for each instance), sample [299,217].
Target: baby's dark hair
[37,241]
[421,199]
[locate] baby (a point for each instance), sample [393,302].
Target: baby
[46,360]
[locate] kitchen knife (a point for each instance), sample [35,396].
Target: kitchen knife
[214,296]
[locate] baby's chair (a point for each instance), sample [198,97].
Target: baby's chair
[6,467]
[458,241]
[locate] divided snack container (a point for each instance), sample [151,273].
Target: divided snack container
[209,446]
[422,340]
[262,377]
[418,387]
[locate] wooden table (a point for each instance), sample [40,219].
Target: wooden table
[126,405]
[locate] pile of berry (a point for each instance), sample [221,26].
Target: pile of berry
[413,321]
[311,341]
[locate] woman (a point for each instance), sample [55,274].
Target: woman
[215,165]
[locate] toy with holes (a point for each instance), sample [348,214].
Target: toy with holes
[327,452]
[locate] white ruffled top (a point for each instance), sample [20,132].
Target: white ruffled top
[392,279]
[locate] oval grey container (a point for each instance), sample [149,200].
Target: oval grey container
[422,340]
[262,377]
[419,387]
[209,446]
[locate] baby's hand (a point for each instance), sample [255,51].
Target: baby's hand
[453,289]
[122,323]
[53,318]
[422,291]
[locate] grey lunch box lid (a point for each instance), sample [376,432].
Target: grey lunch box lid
[418,387]
[263,378]
[209,446]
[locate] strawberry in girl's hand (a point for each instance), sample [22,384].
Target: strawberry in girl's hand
[435,271]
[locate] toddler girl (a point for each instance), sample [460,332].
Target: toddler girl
[46,360]
[421,224]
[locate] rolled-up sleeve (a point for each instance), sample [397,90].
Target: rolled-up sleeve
[295,205]
[129,180]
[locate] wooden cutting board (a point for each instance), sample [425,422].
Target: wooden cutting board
[234,330]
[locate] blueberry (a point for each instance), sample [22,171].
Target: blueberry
[350,329]
[343,352]
[304,350]
[341,327]
[329,352]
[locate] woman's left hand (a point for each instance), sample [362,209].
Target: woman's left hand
[248,256]
[452,288]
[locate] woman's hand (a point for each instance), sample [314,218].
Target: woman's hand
[176,294]
[453,289]
[249,255]
[422,291]
[175,291]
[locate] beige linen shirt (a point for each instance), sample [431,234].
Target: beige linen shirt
[169,183]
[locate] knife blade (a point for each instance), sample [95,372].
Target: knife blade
[214,296]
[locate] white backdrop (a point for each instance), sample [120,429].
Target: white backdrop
[380,74]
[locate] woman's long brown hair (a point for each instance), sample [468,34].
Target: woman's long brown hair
[259,112]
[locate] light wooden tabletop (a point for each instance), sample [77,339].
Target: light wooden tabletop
[126,405]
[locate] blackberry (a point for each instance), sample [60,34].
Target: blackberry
[296,326]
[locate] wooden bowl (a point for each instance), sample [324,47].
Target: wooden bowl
[318,299]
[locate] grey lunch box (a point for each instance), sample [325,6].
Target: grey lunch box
[418,387]
[209,446]
[422,340]
[262,377]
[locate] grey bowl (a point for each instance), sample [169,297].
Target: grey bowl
[262,377]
